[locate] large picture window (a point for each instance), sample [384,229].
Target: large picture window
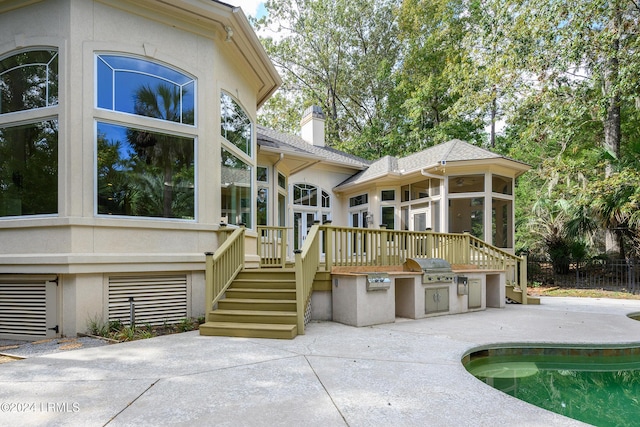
[29,169]
[136,86]
[29,135]
[144,167]
[144,173]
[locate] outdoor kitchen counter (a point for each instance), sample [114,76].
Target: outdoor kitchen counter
[357,299]
[357,302]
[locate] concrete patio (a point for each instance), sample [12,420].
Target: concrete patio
[406,373]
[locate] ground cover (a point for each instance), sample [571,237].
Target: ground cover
[556,291]
[119,332]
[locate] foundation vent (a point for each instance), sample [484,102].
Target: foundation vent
[28,307]
[157,299]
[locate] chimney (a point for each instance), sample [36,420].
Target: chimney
[312,125]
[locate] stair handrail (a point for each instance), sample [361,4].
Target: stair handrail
[307,262]
[491,257]
[222,266]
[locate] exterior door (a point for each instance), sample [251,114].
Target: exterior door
[302,222]
[358,219]
[421,219]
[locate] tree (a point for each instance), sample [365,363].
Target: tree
[337,54]
[431,32]
[584,55]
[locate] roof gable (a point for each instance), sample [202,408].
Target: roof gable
[271,138]
[445,153]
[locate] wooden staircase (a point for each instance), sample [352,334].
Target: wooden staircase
[516,295]
[260,303]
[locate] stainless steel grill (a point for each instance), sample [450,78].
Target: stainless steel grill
[434,270]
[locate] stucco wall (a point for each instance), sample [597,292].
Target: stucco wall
[77,243]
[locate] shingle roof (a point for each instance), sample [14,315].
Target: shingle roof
[280,140]
[451,151]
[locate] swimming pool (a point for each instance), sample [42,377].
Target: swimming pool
[599,386]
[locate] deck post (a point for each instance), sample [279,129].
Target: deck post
[523,278]
[384,248]
[328,252]
[208,280]
[299,292]
[466,248]
[283,246]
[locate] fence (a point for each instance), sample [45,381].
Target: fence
[614,275]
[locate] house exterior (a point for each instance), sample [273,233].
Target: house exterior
[128,140]
[453,187]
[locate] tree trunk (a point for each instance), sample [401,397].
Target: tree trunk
[494,107]
[612,128]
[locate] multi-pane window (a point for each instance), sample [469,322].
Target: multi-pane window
[137,86]
[305,195]
[362,199]
[145,168]
[29,136]
[326,200]
[236,169]
[29,80]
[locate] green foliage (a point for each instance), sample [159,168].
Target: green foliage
[335,54]
[98,327]
[118,331]
[397,76]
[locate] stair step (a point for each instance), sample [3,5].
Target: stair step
[268,274]
[253,316]
[256,304]
[264,283]
[257,293]
[248,330]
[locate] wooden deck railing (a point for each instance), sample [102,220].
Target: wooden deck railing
[272,246]
[222,267]
[307,263]
[347,246]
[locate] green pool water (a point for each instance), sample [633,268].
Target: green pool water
[597,386]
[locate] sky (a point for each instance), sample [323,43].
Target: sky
[253,8]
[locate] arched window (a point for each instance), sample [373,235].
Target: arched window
[145,168]
[137,86]
[29,136]
[29,80]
